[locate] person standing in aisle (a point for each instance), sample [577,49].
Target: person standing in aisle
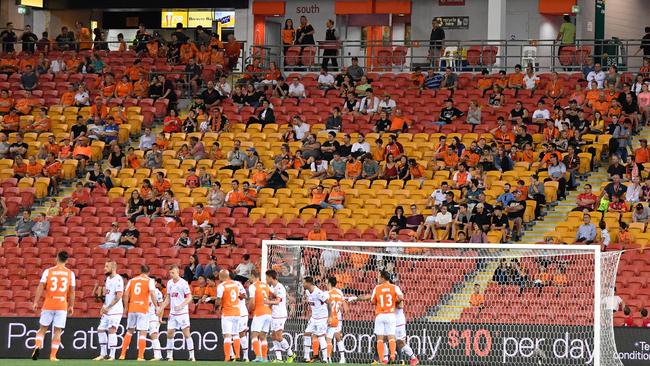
[436,40]
[330,53]
[288,36]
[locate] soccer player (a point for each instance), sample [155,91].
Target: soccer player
[258,293]
[338,306]
[386,296]
[243,320]
[58,282]
[400,335]
[178,297]
[154,322]
[228,295]
[111,312]
[314,335]
[138,294]
[278,304]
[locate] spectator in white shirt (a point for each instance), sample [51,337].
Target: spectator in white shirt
[223,87]
[299,130]
[531,80]
[541,114]
[244,269]
[361,147]
[319,168]
[146,140]
[325,80]
[296,89]
[368,105]
[387,104]
[112,237]
[597,75]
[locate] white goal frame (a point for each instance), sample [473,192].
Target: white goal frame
[559,247]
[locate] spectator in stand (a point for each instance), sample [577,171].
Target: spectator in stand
[29,79]
[499,222]
[317,233]
[433,80]
[645,321]
[449,80]
[24,224]
[235,157]
[623,136]
[477,299]
[200,217]
[215,197]
[113,237]
[184,241]
[515,210]
[81,97]
[297,89]
[134,206]
[449,113]
[640,214]
[41,227]
[193,74]
[193,269]
[147,140]
[396,223]
[234,197]
[244,269]
[436,43]
[634,189]
[153,157]
[116,158]
[478,235]
[172,123]
[567,34]
[586,233]
[249,196]
[288,35]
[279,176]
[130,236]
[80,198]
[325,79]
[557,172]
[355,71]
[170,208]
[8,38]
[265,115]
[586,200]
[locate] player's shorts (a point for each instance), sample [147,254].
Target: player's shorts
[138,321]
[385,324]
[331,331]
[178,322]
[400,328]
[317,326]
[109,321]
[243,324]
[261,323]
[278,324]
[154,324]
[229,324]
[56,318]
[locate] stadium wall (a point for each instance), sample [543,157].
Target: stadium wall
[443,344]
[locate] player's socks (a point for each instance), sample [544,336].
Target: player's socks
[285,347]
[380,350]
[170,349]
[227,348]
[142,345]
[322,342]
[392,346]
[244,346]
[329,349]
[125,344]
[112,344]
[103,340]
[340,346]
[236,344]
[189,343]
[307,349]
[39,341]
[265,349]
[155,344]
[315,347]
[408,351]
[257,348]
[278,350]
[54,349]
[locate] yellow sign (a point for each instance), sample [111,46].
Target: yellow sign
[172,16]
[199,17]
[32,3]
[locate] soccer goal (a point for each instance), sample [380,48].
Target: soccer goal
[465,304]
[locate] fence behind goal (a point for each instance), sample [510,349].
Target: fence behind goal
[534,304]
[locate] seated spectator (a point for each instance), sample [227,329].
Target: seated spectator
[116,158]
[317,234]
[449,80]
[184,240]
[244,269]
[198,289]
[24,224]
[515,210]
[355,71]
[249,196]
[640,214]
[433,80]
[192,180]
[172,123]
[153,157]
[279,176]
[477,299]
[586,200]
[362,87]
[499,222]
[586,233]
[296,89]
[112,238]
[396,223]
[215,197]
[170,208]
[368,105]
[235,157]
[200,217]
[334,121]
[478,235]
[442,221]
[192,270]
[134,206]
[449,113]
[370,168]
[80,198]
[325,80]
[210,292]
[130,236]
[265,115]
[29,79]
[617,205]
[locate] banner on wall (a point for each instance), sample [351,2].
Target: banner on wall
[454,22]
[451,2]
[226,18]
[202,17]
[443,344]
[170,17]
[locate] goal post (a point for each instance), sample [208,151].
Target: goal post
[465,304]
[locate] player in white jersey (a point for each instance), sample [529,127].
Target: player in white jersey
[338,306]
[314,335]
[243,320]
[278,302]
[111,313]
[154,321]
[178,297]
[400,335]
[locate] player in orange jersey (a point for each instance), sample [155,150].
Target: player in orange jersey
[386,296]
[139,292]
[228,295]
[178,298]
[58,282]
[335,322]
[111,312]
[258,294]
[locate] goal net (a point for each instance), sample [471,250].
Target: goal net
[465,304]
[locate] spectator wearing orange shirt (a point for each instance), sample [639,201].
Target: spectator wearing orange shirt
[484,82]
[555,87]
[6,102]
[108,85]
[516,80]
[80,197]
[24,106]
[451,160]
[249,196]
[52,170]
[161,184]
[353,168]
[132,160]
[141,86]
[398,122]
[41,122]
[19,167]
[335,198]
[318,199]
[317,234]
[417,78]
[461,177]
[67,98]
[203,57]
[188,51]
[11,122]
[198,289]
[135,72]
[34,168]
[416,171]
[235,197]
[642,154]
[123,88]
[233,48]
[477,299]
[260,176]
[201,217]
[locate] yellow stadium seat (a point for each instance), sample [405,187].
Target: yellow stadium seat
[362,183]
[41,186]
[550,191]
[343,213]
[396,184]
[175,173]
[125,173]
[308,213]
[129,182]
[115,192]
[257,213]
[142,173]
[205,163]
[70,169]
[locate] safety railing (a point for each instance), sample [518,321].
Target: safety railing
[460,55]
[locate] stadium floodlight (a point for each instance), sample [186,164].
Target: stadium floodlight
[465,304]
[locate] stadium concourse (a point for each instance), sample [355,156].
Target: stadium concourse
[321,162]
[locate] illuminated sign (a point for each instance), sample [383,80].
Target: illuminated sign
[172,16]
[226,18]
[199,17]
[32,3]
